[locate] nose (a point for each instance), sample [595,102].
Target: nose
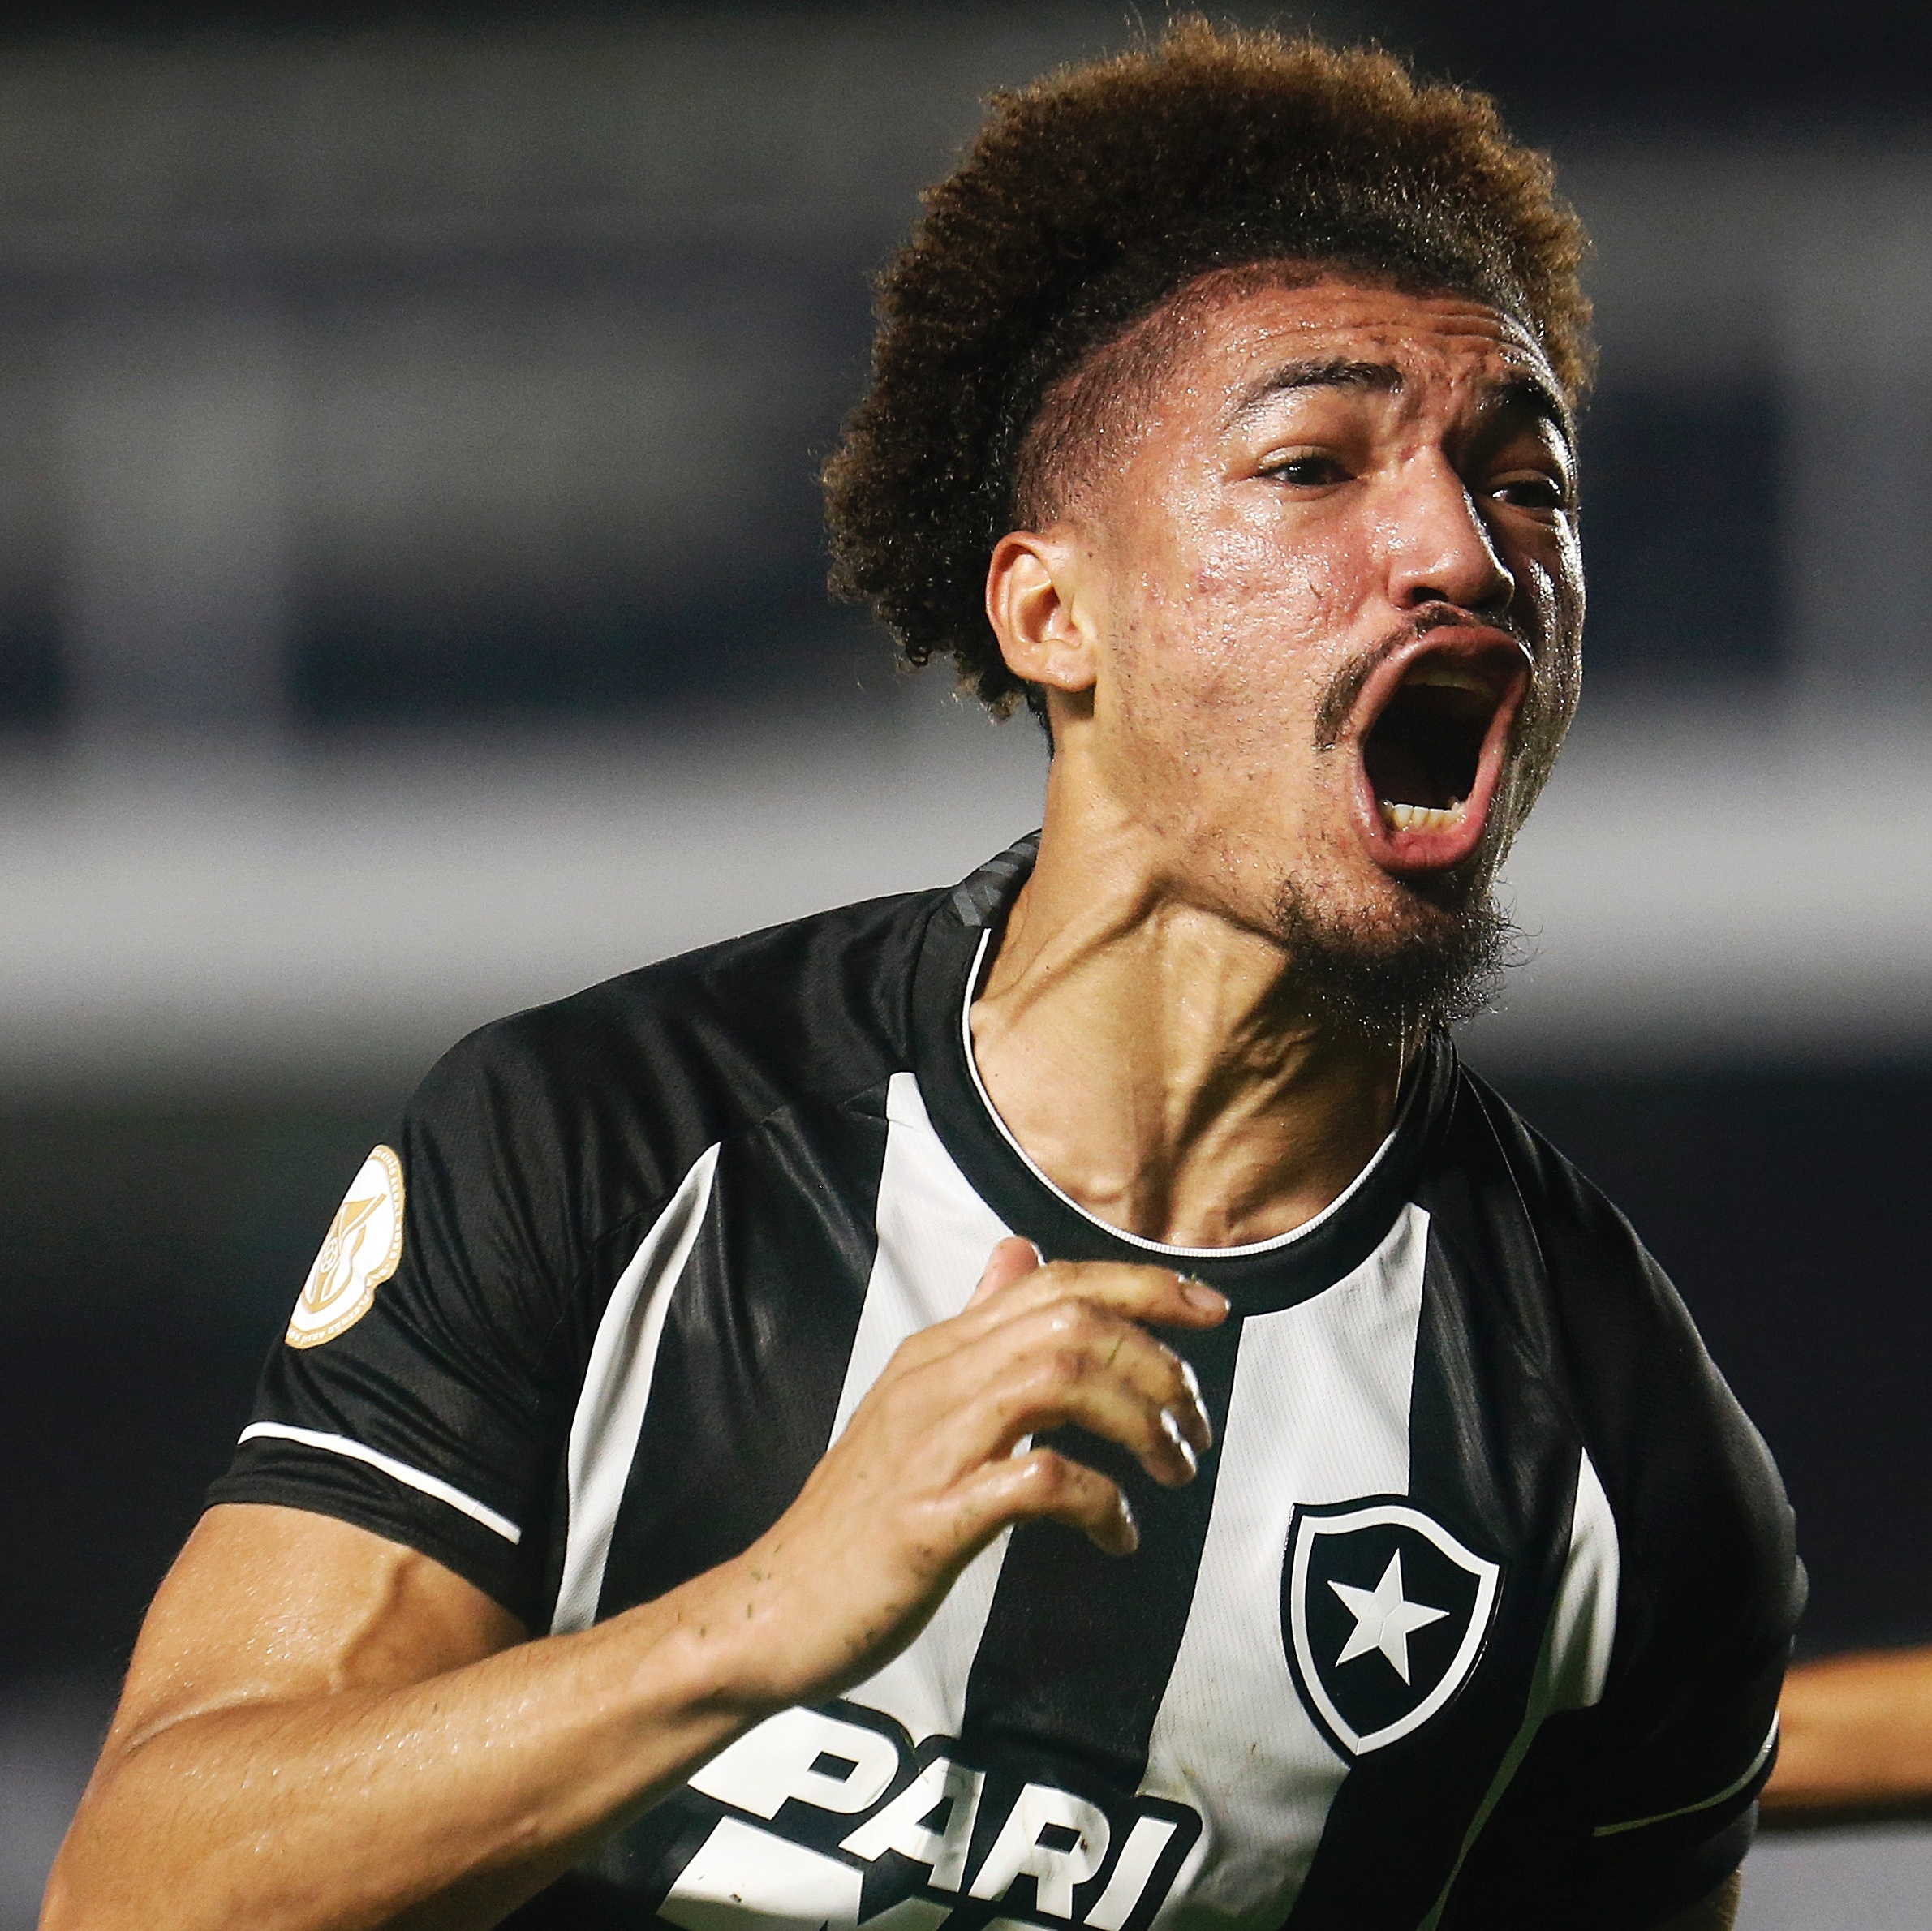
[1442,550]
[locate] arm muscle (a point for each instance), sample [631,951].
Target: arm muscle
[1856,1734]
[323,1729]
[296,1673]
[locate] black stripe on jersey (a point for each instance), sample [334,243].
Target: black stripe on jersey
[754,1347]
[1079,1645]
[1493,1461]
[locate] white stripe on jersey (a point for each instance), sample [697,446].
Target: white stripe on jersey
[935,1233]
[1318,1414]
[413,1478]
[1574,1662]
[617,1389]
[1586,1613]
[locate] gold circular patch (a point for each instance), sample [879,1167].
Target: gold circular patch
[364,1245]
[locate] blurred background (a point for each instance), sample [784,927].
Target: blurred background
[411,607]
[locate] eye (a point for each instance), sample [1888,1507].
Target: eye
[1533,491]
[1305,471]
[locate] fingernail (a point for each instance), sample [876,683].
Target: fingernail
[1171,1428]
[1131,1526]
[1039,1258]
[1203,1296]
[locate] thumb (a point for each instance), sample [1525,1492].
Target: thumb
[1012,1259]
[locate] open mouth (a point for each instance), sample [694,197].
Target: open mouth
[1438,722]
[1422,753]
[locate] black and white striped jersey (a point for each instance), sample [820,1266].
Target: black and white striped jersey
[1475,1616]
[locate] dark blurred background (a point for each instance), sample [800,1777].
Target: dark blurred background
[411,607]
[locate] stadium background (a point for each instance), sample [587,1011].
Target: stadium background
[411,608]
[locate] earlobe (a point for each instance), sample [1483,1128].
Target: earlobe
[1034,604]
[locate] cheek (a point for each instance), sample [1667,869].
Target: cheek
[1562,571]
[1231,635]
[1560,592]
[1549,594]
[1250,614]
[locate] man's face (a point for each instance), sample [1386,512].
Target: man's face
[1335,594]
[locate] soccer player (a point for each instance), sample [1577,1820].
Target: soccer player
[1052,1402]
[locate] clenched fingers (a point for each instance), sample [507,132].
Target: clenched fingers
[1061,1363]
[1045,1486]
[1156,1296]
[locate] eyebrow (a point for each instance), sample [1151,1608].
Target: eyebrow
[1519,394]
[1524,395]
[1336,372]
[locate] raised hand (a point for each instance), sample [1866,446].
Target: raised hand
[937,1459]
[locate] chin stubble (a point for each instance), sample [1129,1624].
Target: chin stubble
[1391,979]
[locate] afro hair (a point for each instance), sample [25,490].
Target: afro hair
[1085,204]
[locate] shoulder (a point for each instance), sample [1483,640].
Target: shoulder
[1616,1332]
[811,1008]
[1695,1493]
[588,1113]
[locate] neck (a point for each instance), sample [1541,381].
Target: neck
[1155,1060]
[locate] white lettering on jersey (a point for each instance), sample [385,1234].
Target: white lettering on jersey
[812,1877]
[741,1873]
[909,1914]
[1022,1847]
[804,1754]
[1145,1843]
[901,1825]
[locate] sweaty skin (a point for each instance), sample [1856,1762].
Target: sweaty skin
[322,1728]
[1260,542]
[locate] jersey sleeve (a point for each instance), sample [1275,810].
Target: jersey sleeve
[1619,1821]
[422,1390]
[1625,1813]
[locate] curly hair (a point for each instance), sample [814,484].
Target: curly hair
[1087,202]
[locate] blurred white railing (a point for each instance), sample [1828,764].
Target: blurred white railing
[1739,887]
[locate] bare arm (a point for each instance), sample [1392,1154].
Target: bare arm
[322,1729]
[1856,1734]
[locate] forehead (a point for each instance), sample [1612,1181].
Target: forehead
[1440,353]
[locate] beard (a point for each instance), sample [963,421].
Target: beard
[1386,979]
[1432,960]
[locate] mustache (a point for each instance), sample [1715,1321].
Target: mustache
[1337,704]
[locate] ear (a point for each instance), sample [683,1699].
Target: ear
[1038,602]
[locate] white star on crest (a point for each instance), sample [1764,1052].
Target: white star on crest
[1383,1620]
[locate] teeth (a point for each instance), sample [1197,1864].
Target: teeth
[1420,818]
[1448,675]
